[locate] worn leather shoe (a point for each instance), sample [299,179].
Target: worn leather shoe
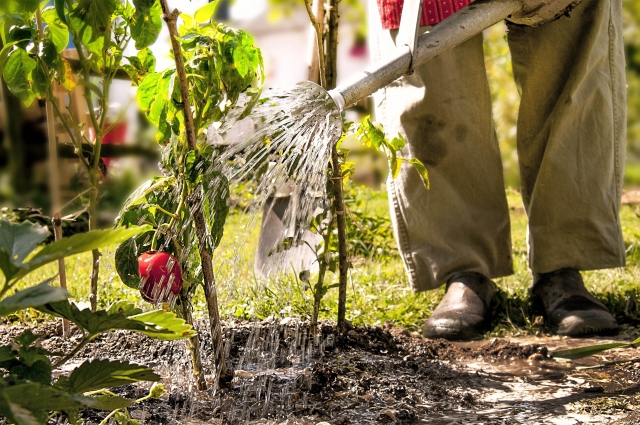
[464,312]
[568,306]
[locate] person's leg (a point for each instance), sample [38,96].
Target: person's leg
[571,142]
[461,224]
[458,231]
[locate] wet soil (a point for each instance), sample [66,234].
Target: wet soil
[369,375]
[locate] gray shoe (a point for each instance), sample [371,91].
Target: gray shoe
[464,312]
[568,307]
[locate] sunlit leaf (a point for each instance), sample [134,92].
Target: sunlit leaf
[97,374]
[75,244]
[205,13]
[57,30]
[17,73]
[17,241]
[146,26]
[33,297]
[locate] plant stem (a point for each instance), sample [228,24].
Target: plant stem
[193,344]
[322,271]
[317,21]
[54,180]
[343,255]
[195,201]
[338,191]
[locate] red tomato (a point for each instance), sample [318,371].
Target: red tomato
[161,277]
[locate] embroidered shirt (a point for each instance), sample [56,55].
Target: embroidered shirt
[433,11]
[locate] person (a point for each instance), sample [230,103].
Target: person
[570,144]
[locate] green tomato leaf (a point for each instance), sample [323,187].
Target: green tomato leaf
[33,297]
[205,13]
[98,374]
[76,244]
[17,73]
[57,30]
[146,26]
[156,324]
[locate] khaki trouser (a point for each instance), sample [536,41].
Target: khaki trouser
[571,143]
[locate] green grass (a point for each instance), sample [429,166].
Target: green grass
[378,287]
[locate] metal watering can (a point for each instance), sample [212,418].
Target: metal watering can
[413,51]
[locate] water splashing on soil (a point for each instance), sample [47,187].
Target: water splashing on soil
[372,376]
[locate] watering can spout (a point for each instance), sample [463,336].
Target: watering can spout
[459,27]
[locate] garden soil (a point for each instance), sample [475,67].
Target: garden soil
[369,375]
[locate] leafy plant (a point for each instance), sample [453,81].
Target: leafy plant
[28,392]
[31,62]
[217,78]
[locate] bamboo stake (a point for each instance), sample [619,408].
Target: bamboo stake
[54,183]
[195,201]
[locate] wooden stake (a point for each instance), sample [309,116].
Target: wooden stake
[54,183]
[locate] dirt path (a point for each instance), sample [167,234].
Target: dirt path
[372,376]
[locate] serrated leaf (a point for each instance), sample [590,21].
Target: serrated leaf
[98,374]
[57,30]
[32,297]
[17,72]
[146,26]
[76,244]
[17,241]
[157,324]
[38,398]
[205,13]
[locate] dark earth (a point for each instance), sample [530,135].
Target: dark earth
[369,375]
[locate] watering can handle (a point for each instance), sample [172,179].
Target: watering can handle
[456,29]
[409,26]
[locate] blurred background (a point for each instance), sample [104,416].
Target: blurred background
[281,29]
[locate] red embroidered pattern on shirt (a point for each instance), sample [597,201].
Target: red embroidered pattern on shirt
[433,11]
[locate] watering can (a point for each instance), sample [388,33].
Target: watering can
[411,52]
